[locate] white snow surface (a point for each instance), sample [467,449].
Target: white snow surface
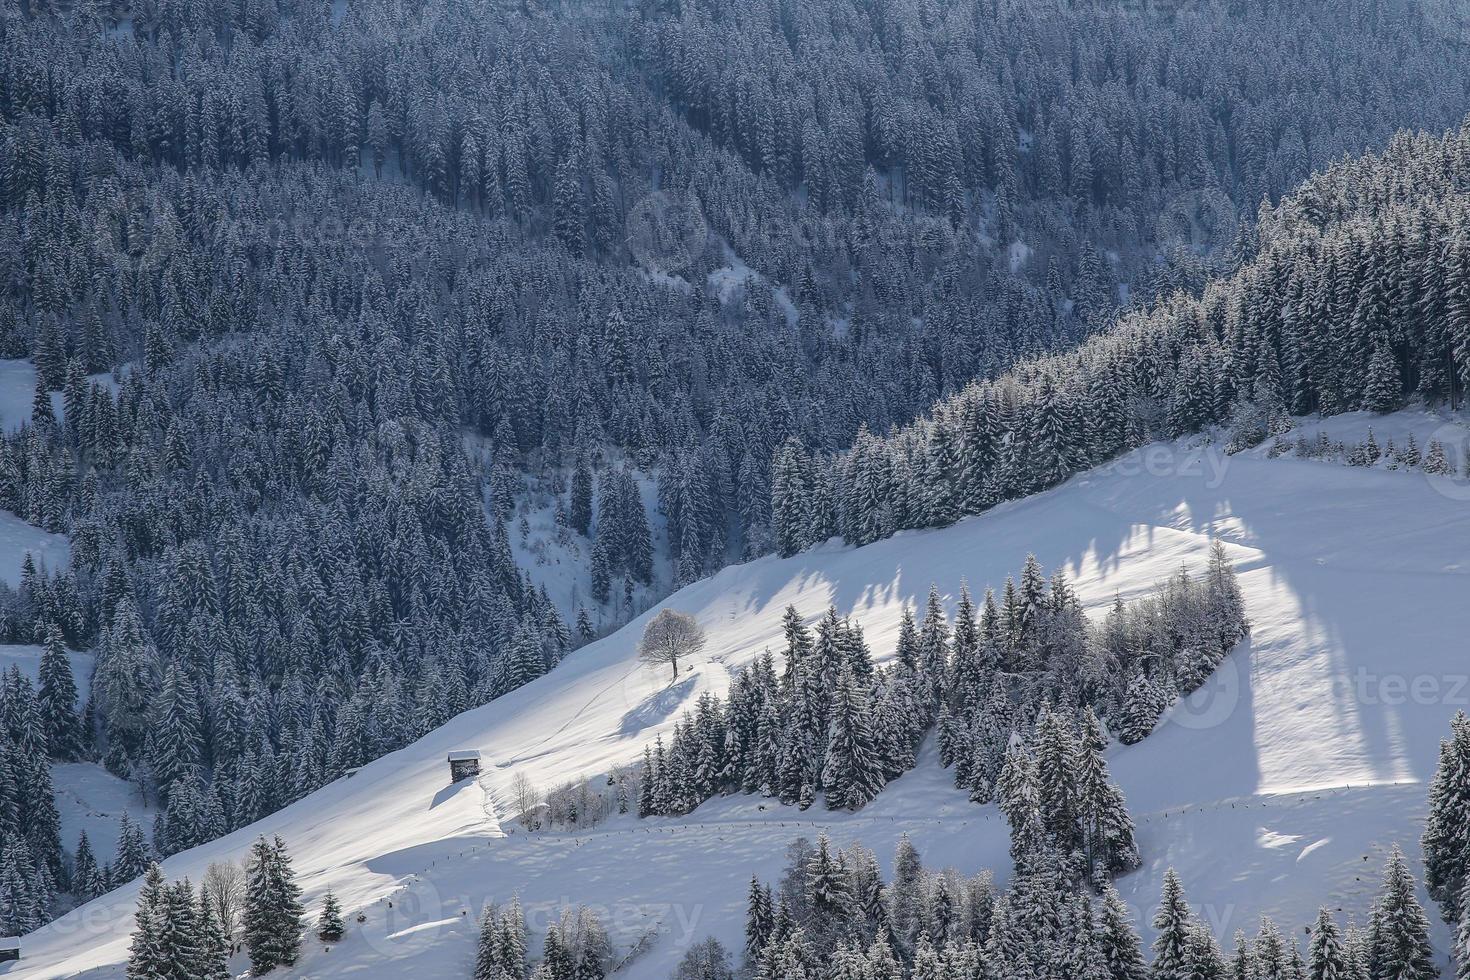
[1278,789]
[27,657]
[17,538]
[18,392]
[92,799]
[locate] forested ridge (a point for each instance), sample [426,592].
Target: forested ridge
[323,246]
[1356,296]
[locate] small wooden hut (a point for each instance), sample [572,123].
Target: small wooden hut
[464,764]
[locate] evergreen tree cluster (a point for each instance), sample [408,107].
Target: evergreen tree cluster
[1354,293]
[501,953]
[832,917]
[180,935]
[1446,840]
[1012,688]
[576,947]
[33,868]
[1436,459]
[177,935]
[272,911]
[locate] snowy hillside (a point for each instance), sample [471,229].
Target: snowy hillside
[18,539]
[1276,788]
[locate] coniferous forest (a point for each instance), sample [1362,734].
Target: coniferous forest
[313,291]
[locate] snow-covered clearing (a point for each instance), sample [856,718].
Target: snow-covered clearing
[27,657]
[17,538]
[18,392]
[92,799]
[1278,788]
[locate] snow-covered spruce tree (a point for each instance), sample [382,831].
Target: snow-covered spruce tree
[556,961]
[1141,709]
[1384,389]
[759,920]
[272,914]
[87,875]
[1202,957]
[1172,925]
[133,852]
[1398,932]
[179,933]
[57,699]
[1020,801]
[487,947]
[1325,957]
[828,890]
[1269,951]
[904,897]
[329,926]
[1107,830]
[147,959]
[852,774]
[1056,768]
[214,945]
[501,951]
[1118,944]
[1446,839]
[1461,949]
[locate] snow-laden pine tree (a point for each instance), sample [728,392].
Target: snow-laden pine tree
[1446,839]
[1056,768]
[852,774]
[1141,710]
[214,945]
[1325,957]
[1020,801]
[1398,932]
[828,890]
[1118,944]
[1172,923]
[904,895]
[57,700]
[1270,953]
[147,958]
[1107,829]
[329,926]
[272,912]
[1461,949]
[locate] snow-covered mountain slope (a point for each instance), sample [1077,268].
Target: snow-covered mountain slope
[1278,788]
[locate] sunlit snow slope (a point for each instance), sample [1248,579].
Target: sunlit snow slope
[1279,789]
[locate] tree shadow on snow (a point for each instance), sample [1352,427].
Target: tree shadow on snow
[657,707]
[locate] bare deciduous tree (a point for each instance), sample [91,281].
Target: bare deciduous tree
[224,889]
[527,801]
[668,637]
